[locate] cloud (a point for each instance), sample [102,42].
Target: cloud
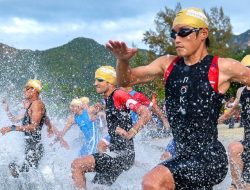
[25,26]
[41,34]
[46,24]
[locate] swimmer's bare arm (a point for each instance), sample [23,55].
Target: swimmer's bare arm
[70,122]
[159,113]
[234,109]
[59,138]
[50,130]
[102,146]
[127,76]
[15,119]
[36,113]
[12,118]
[144,116]
[92,113]
[231,70]
[53,130]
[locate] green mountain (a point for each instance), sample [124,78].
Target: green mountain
[71,67]
[66,71]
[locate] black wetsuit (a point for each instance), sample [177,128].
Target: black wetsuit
[33,146]
[110,166]
[193,109]
[245,122]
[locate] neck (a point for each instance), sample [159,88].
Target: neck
[196,57]
[109,91]
[79,112]
[34,98]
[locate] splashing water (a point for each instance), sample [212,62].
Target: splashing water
[54,171]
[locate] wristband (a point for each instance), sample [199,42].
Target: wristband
[134,131]
[13,127]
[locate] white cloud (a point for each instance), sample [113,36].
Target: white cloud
[109,25]
[125,29]
[33,34]
[24,26]
[46,24]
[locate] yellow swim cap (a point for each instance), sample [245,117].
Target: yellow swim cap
[193,17]
[106,73]
[246,61]
[76,102]
[85,100]
[36,84]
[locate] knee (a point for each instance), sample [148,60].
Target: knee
[158,178]
[148,183]
[75,165]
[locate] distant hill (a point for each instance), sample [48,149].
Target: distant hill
[66,71]
[70,68]
[242,40]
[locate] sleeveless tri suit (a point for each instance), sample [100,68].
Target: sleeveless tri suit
[193,106]
[140,98]
[33,147]
[90,132]
[122,155]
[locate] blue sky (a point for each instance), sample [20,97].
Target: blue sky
[44,24]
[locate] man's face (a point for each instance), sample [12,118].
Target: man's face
[187,39]
[74,108]
[101,86]
[28,92]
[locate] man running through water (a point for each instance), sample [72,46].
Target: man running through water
[239,151]
[109,165]
[17,118]
[82,119]
[31,126]
[194,86]
[142,99]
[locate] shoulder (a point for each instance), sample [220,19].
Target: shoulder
[233,70]
[120,93]
[226,64]
[226,61]
[121,96]
[37,104]
[140,95]
[164,61]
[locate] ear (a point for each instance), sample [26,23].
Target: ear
[204,33]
